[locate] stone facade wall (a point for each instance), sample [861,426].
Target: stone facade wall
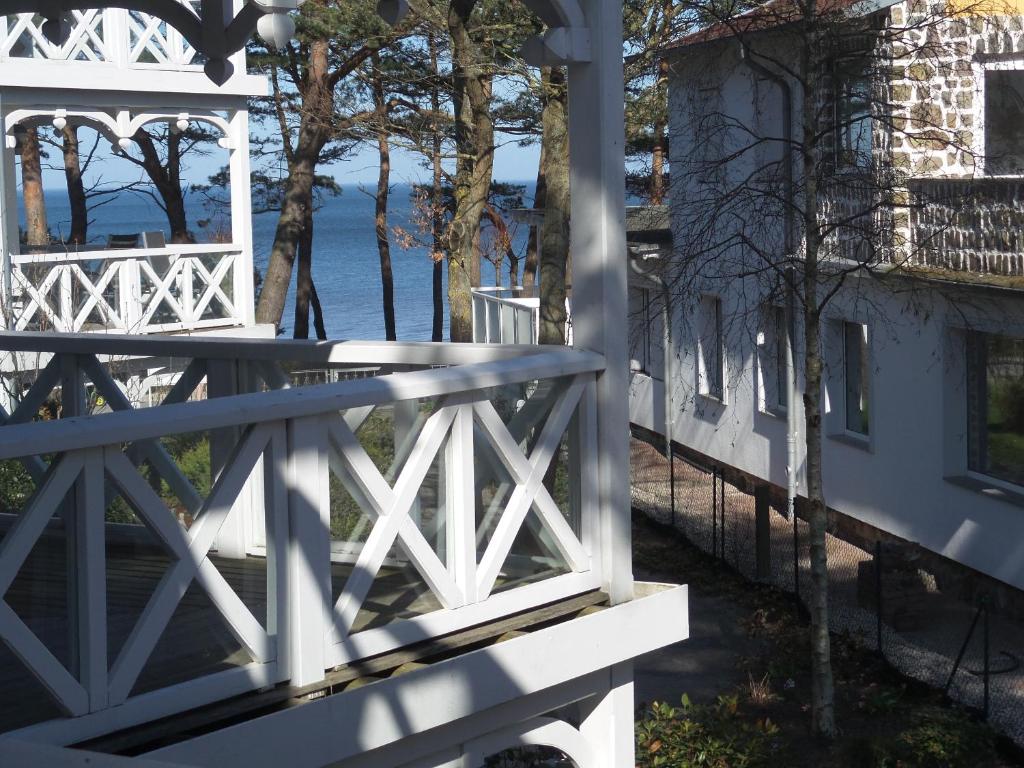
[936,105]
[974,225]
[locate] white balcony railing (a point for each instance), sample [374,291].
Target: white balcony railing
[505,315]
[111,35]
[372,513]
[143,290]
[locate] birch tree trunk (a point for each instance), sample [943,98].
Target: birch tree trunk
[822,695]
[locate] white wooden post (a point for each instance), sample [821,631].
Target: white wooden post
[91,579]
[78,541]
[241,215]
[65,313]
[597,178]
[607,720]
[222,381]
[460,504]
[9,240]
[309,550]
[403,423]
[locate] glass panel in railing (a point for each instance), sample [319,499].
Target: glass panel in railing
[38,595]
[162,282]
[36,297]
[405,445]
[523,431]
[95,296]
[185,499]
[213,285]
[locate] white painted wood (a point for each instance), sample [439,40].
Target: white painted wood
[191,548]
[607,720]
[371,642]
[309,550]
[23,754]
[538,731]
[90,579]
[68,693]
[351,352]
[153,705]
[530,475]
[598,244]
[40,507]
[460,504]
[275,490]
[337,727]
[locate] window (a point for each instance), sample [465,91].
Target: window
[853,115]
[640,330]
[710,365]
[772,367]
[856,375]
[1004,121]
[995,406]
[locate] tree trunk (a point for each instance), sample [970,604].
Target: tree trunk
[314,126]
[555,229]
[533,253]
[387,280]
[436,204]
[36,230]
[304,279]
[318,313]
[822,695]
[166,177]
[297,204]
[659,153]
[76,188]
[474,141]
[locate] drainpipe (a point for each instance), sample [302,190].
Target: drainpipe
[788,243]
[666,354]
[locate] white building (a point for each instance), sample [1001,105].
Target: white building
[368,572]
[923,375]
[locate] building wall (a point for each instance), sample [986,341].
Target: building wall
[909,477]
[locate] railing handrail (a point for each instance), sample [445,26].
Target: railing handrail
[69,434]
[340,352]
[183,249]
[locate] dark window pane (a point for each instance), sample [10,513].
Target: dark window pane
[1004,121]
[997,407]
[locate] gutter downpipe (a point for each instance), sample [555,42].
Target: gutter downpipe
[787,132]
[666,354]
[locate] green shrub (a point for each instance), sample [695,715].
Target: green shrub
[936,737]
[694,736]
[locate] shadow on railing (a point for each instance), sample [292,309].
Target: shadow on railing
[172,556]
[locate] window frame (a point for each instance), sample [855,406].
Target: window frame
[976,403]
[704,386]
[771,361]
[848,69]
[979,147]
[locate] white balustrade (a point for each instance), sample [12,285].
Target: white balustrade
[141,290]
[509,316]
[485,505]
[111,35]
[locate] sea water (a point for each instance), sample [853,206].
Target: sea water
[346,263]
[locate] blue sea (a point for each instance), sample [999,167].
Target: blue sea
[346,265]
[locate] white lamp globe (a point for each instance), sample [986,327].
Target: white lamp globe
[276,28]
